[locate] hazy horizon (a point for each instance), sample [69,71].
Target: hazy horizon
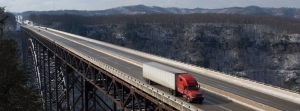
[47,5]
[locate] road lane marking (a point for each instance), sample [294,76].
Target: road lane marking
[222,86]
[260,98]
[225,108]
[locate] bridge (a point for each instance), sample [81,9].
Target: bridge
[75,73]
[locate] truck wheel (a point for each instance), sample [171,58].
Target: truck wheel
[149,81]
[189,100]
[200,102]
[176,93]
[146,80]
[170,91]
[179,94]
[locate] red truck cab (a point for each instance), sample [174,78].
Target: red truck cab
[187,86]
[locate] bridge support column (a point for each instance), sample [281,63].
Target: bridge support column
[69,71]
[87,96]
[50,75]
[74,91]
[44,78]
[57,72]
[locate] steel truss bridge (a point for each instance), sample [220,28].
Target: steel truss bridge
[70,80]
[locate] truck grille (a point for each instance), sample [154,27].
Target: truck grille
[198,95]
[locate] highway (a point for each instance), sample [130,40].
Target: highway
[211,102]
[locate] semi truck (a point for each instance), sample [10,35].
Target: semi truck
[178,82]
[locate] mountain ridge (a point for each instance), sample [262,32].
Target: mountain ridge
[142,9]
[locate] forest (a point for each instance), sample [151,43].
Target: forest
[17,93]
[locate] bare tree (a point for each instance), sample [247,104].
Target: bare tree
[3,17]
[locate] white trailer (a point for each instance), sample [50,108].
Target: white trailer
[161,74]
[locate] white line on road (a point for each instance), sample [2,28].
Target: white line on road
[222,86]
[260,98]
[225,108]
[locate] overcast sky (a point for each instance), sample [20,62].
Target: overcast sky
[45,5]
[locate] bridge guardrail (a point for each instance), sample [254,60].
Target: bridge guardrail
[247,83]
[165,97]
[104,51]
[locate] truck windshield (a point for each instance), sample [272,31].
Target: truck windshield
[193,87]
